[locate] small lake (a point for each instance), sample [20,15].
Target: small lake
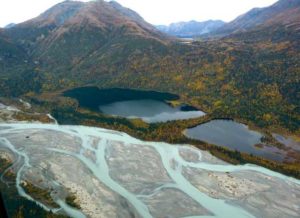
[235,136]
[150,106]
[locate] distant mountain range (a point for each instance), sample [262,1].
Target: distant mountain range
[251,70]
[191,29]
[284,12]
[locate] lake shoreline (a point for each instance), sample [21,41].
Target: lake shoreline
[66,111]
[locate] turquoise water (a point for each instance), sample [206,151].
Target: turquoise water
[100,169]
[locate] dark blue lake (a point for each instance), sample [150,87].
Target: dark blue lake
[150,106]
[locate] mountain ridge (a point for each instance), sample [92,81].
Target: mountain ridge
[283,12]
[251,74]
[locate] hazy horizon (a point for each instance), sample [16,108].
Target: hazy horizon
[157,12]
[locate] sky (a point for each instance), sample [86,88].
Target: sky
[153,11]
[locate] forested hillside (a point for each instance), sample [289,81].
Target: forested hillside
[253,75]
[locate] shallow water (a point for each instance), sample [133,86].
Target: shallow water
[235,136]
[150,111]
[99,168]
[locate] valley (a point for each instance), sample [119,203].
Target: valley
[251,76]
[103,114]
[231,141]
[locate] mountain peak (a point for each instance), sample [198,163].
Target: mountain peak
[61,12]
[72,31]
[99,14]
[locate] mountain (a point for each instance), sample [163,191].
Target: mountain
[16,68]
[9,50]
[191,29]
[69,15]
[251,74]
[74,43]
[74,30]
[283,13]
